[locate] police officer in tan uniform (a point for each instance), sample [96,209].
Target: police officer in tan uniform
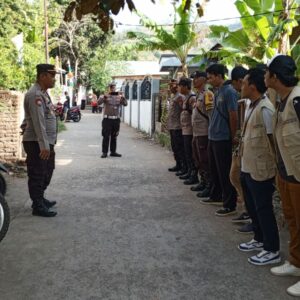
[200,121]
[281,77]
[111,120]
[174,126]
[185,88]
[39,138]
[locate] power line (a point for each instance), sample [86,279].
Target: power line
[213,20]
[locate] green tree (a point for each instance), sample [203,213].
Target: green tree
[107,62]
[266,26]
[179,41]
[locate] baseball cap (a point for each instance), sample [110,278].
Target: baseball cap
[198,74]
[282,64]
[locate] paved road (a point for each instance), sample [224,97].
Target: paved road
[125,229]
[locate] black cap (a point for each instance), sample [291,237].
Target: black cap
[46,68]
[198,74]
[283,65]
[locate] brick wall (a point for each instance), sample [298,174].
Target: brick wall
[11,115]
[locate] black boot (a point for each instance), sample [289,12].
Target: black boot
[175,168]
[193,179]
[183,170]
[40,209]
[199,187]
[205,193]
[187,175]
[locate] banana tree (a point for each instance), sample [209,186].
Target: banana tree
[179,40]
[266,26]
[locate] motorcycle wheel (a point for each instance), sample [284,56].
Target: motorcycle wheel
[4,217]
[2,185]
[77,118]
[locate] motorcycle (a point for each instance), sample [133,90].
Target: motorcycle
[74,114]
[4,209]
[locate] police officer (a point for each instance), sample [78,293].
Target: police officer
[174,127]
[39,139]
[111,120]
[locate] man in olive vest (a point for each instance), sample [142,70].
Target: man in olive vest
[258,169]
[281,77]
[200,121]
[174,127]
[185,88]
[111,120]
[39,138]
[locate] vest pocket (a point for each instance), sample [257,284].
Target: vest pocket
[290,132]
[258,139]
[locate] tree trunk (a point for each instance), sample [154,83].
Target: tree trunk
[185,70]
[284,42]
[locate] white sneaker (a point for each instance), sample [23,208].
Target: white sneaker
[251,246]
[265,258]
[294,290]
[286,269]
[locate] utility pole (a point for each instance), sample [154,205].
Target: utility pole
[46,32]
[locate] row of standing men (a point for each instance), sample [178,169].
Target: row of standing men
[243,161]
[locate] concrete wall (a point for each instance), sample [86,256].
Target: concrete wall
[11,116]
[140,113]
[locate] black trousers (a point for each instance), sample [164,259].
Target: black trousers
[177,145]
[110,131]
[188,151]
[94,109]
[39,171]
[258,200]
[220,156]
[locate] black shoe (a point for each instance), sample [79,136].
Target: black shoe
[43,211]
[104,155]
[205,193]
[191,180]
[211,201]
[243,218]
[223,212]
[49,203]
[174,169]
[183,171]
[185,176]
[246,229]
[115,154]
[199,187]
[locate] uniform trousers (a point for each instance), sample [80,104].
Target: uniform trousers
[235,176]
[188,151]
[110,131]
[258,200]
[220,155]
[289,193]
[177,145]
[39,171]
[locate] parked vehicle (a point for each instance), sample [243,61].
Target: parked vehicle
[73,114]
[4,209]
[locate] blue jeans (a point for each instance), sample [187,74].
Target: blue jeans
[258,200]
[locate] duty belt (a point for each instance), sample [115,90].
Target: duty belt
[110,117]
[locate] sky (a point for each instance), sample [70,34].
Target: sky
[162,11]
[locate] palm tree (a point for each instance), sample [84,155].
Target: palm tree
[180,40]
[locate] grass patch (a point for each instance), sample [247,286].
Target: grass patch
[61,126]
[163,139]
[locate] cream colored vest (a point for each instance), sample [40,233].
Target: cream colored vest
[258,158]
[287,135]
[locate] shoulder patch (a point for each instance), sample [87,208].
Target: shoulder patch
[296,100]
[38,102]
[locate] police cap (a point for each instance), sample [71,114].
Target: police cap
[46,68]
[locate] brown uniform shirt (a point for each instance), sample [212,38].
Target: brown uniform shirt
[186,114]
[175,110]
[112,104]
